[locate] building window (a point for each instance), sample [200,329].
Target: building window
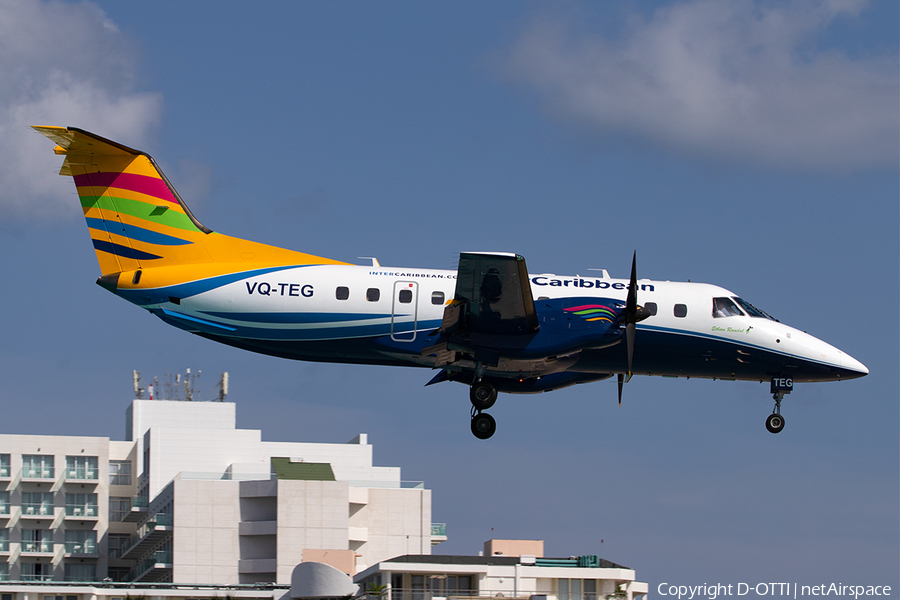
[4,576]
[437,298]
[81,505]
[4,465]
[373,294]
[681,310]
[4,503]
[450,585]
[119,507]
[37,540]
[37,466]
[37,572]
[4,540]
[118,574]
[118,543]
[577,589]
[120,472]
[37,503]
[81,542]
[81,467]
[396,586]
[51,597]
[80,572]
[342,293]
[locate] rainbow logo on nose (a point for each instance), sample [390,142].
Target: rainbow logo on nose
[593,312]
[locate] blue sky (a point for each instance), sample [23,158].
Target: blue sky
[749,144]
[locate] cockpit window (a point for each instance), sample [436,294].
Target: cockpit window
[723,307]
[752,310]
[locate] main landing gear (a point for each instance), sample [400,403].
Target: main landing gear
[483,395]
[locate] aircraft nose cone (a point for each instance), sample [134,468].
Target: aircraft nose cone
[857,368]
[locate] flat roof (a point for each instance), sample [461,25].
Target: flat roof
[450,559]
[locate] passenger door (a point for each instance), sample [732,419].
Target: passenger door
[404,311]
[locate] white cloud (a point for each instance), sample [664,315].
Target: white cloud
[69,65]
[729,80]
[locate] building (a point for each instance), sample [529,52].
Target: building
[496,574]
[490,576]
[189,498]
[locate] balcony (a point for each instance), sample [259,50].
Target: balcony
[5,472]
[37,548]
[438,533]
[39,474]
[85,548]
[81,512]
[140,506]
[83,475]
[37,511]
[155,568]
[149,535]
[27,577]
[4,546]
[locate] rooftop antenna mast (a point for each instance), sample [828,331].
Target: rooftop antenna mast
[189,381]
[223,387]
[138,390]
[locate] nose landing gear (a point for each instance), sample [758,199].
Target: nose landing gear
[775,422]
[780,386]
[482,395]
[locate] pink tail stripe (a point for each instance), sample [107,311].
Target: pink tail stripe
[143,184]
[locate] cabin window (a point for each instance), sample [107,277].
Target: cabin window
[437,298]
[651,306]
[681,310]
[373,294]
[342,293]
[724,307]
[405,296]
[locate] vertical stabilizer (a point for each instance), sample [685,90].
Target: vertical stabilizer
[138,221]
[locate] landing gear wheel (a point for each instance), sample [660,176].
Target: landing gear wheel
[774,423]
[483,426]
[483,395]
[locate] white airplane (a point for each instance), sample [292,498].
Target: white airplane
[490,324]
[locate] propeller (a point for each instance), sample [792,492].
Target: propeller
[632,315]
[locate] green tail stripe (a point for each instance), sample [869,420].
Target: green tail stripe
[159,215]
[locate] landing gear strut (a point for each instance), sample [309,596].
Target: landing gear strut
[483,395]
[775,422]
[780,386]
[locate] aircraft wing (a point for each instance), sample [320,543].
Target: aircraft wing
[497,293]
[492,308]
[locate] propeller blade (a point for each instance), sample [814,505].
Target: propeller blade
[629,347]
[621,379]
[631,300]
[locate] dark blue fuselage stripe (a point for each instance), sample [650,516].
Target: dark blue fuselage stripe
[136,233]
[295,317]
[123,251]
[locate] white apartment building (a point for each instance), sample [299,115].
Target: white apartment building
[507,569]
[189,498]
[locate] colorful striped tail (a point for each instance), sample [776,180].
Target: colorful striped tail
[138,221]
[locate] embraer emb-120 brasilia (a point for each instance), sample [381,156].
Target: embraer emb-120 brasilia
[490,324]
